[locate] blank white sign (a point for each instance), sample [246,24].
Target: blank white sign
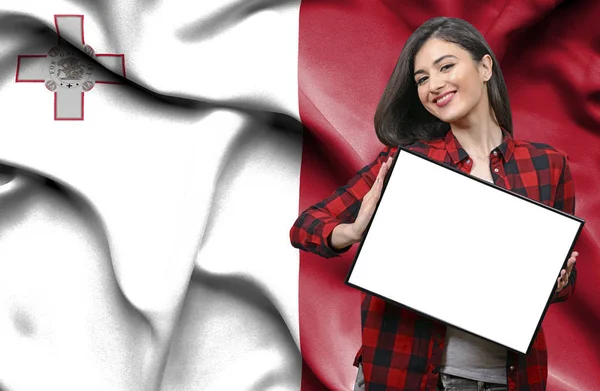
[464,252]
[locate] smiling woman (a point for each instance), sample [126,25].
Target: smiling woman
[446,99]
[441,59]
[439,84]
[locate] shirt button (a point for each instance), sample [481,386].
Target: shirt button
[496,170]
[512,368]
[468,161]
[496,153]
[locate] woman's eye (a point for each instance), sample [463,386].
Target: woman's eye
[446,67]
[421,80]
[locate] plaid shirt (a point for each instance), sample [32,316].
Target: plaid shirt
[402,350]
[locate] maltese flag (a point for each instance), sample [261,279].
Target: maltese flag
[154,155]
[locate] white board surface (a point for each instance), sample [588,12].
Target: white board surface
[463,251]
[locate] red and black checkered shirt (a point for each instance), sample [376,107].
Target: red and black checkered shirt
[402,350]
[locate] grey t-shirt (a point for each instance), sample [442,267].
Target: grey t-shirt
[473,357]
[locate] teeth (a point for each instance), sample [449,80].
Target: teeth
[445,98]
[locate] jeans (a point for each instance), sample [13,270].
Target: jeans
[454,383]
[445,383]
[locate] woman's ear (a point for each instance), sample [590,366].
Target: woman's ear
[486,65]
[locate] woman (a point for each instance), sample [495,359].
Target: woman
[446,99]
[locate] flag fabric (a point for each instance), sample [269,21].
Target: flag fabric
[154,155]
[161,260]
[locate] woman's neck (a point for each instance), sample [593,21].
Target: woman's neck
[478,137]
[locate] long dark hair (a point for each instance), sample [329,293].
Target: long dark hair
[400,118]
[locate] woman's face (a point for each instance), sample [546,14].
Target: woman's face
[449,83]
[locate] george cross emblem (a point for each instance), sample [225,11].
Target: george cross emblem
[69,70]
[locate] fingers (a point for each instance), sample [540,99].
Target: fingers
[571,262]
[370,199]
[389,162]
[378,185]
[563,280]
[373,194]
[385,168]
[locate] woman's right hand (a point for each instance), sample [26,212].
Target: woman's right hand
[346,234]
[369,202]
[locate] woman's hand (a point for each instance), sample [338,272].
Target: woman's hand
[369,202]
[563,280]
[346,234]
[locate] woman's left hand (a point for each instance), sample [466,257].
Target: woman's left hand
[563,280]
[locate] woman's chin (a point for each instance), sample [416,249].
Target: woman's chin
[450,117]
[448,114]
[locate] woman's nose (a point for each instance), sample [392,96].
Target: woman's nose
[436,83]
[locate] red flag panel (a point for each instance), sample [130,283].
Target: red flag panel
[550,57]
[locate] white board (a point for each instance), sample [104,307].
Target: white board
[464,251]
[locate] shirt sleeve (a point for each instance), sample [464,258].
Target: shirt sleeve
[312,229]
[565,201]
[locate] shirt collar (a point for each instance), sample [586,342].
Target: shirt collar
[457,153]
[507,147]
